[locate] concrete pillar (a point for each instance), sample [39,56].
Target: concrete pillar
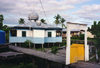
[68,47]
[86,47]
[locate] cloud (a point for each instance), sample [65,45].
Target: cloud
[91,12]
[21,8]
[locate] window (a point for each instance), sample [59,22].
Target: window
[49,34]
[58,33]
[13,32]
[23,33]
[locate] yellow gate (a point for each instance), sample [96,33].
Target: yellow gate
[76,53]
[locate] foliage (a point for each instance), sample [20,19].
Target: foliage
[21,21]
[54,49]
[80,37]
[62,22]
[27,44]
[41,49]
[1,21]
[95,30]
[5,28]
[59,20]
[75,37]
[63,43]
[43,21]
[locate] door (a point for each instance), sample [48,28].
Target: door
[76,53]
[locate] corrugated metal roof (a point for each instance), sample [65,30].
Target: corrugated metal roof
[71,30]
[36,25]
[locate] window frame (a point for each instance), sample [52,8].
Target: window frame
[13,33]
[24,35]
[49,34]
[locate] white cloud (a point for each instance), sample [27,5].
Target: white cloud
[91,12]
[21,8]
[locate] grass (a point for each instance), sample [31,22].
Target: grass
[40,49]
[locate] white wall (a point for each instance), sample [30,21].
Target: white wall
[28,33]
[39,33]
[36,33]
[52,31]
[19,33]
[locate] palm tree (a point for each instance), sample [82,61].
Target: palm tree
[21,21]
[62,22]
[1,21]
[43,21]
[57,19]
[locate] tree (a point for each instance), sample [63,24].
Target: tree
[95,30]
[43,21]
[4,27]
[59,20]
[21,21]
[62,22]
[1,21]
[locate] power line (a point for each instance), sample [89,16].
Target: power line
[43,10]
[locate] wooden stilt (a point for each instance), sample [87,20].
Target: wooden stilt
[53,44]
[59,44]
[34,45]
[48,44]
[29,44]
[15,44]
[42,46]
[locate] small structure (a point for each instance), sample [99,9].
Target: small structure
[36,32]
[2,37]
[85,48]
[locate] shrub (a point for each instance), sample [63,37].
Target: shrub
[26,44]
[54,49]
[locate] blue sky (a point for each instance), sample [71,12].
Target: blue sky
[78,11]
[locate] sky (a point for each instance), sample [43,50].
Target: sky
[76,11]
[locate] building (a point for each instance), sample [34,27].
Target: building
[73,33]
[89,34]
[37,33]
[2,37]
[76,33]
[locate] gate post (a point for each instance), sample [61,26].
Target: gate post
[68,46]
[86,47]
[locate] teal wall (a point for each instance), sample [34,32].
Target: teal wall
[35,40]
